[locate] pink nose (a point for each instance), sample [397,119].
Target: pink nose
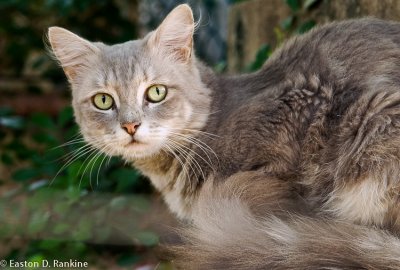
[130,127]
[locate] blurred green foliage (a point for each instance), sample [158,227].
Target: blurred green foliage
[58,198]
[77,205]
[23,26]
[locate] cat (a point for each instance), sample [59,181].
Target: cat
[295,166]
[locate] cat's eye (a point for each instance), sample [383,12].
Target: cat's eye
[103,101]
[156,93]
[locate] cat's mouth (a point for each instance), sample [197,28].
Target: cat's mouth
[133,142]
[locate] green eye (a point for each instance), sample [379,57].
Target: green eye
[103,101]
[156,93]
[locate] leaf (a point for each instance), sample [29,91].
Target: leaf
[66,116]
[25,174]
[127,259]
[37,258]
[42,120]
[7,159]
[50,244]
[38,184]
[309,3]
[306,27]
[5,111]
[262,55]
[293,4]
[220,67]
[287,23]
[14,122]
[126,179]
[45,138]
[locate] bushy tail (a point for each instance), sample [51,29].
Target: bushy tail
[227,236]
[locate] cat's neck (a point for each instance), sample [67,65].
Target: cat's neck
[170,175]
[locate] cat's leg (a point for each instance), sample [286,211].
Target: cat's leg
[358,177]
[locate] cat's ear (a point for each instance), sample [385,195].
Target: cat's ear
[71,51]
[175,34]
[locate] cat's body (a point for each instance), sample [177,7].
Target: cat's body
[295,166]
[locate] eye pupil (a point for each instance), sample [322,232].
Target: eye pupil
[103,101]
[156,93]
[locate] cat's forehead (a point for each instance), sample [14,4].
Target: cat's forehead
[124,63]
[131,63]
[123,51]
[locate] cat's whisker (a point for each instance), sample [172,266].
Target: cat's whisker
[74,139]
[70,142]
[193,130]
[78,153]
[171,150]
[98,171]
[205,146]
[192,159]
[196,163]
[182,159]
[94,161]
[101,152]
[209,113]
[196,154]
[71,160]
[186,155]
[70,154]
[201,145]
[92,154]
[108,161]
[208,134]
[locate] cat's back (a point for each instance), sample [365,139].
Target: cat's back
[306,89]
[359,50]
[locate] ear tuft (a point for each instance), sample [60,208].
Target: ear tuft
[175,34]
[70,50]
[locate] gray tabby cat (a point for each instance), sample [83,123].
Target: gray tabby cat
[295,166]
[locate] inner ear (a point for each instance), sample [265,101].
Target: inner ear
[72,51]
[175,34]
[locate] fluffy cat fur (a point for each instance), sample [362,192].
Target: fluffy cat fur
[295,166]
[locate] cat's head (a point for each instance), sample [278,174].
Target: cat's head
[132,99]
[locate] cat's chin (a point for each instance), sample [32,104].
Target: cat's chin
[139,150]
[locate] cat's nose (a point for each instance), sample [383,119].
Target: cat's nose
[130,128]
